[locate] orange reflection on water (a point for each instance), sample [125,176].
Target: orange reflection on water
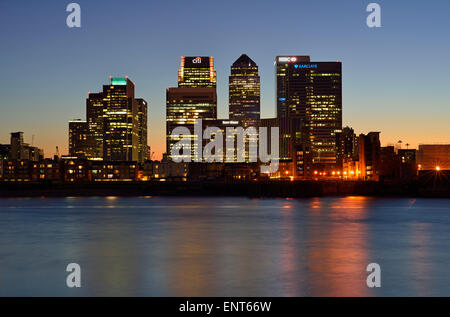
[290,271]
[338,257]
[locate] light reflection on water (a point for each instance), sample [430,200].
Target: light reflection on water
[153,246]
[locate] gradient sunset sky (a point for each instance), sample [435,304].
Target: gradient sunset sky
[396,79]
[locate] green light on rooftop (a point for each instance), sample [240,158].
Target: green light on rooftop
[119,81]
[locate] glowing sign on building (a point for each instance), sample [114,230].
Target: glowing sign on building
[119,81]
[307,66]
[287,59]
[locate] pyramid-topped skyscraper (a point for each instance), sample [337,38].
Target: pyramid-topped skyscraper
[244,91]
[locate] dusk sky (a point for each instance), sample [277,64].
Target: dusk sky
[396,79]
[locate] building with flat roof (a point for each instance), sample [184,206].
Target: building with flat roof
[116,125]
[197,71]
[434,156]
[183,107]
[312,91]
[78,138]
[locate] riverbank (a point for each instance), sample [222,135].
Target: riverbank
[294,189]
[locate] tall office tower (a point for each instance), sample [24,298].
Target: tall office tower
[120,121]
[143,149]
[244,91]
[17,146]
[183,107]
[78,138]
[197,72]
[312,91]
[369,156]
[94,114]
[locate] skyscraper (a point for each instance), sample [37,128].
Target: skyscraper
[194,98]
[94,114]
[197,72]
[120,121]
[116,123]
[143,149]
[78,131]
[312,91]
[184,106]
[244,91]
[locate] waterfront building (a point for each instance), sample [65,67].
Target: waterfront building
[19,150]
[294,149]
[369,156]
[312,91]
[434,157]
[78,138]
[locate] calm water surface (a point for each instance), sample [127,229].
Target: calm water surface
[224,246]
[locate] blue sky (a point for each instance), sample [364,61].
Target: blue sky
[396,79]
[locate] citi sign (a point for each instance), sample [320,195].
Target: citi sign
[197,60]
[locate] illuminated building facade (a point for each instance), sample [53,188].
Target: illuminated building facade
[194,98]
[116,125]
[120,121]
[347,145]
[143,149]
[94,114]
[78,132]
[250,137]
[369,156]
[244,92]
[197,71]
[312,91]
[294,153]
[5,150]
[183,107]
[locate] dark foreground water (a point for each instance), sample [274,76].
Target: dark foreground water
[224,246]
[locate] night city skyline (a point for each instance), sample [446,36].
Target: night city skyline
[221,156]
[381,88]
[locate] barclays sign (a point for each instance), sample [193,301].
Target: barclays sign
[305,66]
